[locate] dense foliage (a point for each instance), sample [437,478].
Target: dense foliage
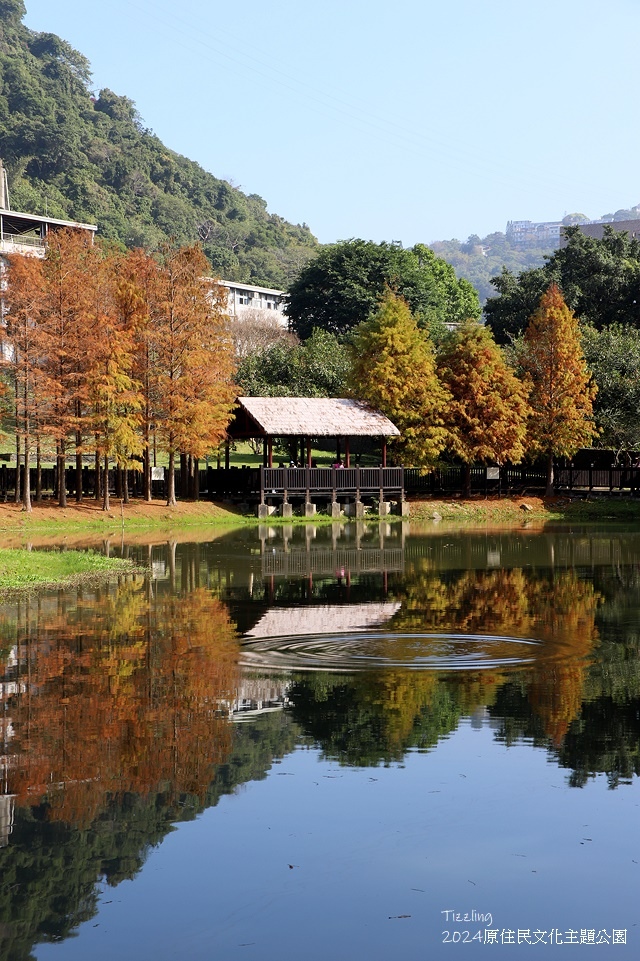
[394,370]
[317,368]
[344,284]
[79,156]
[562,391]
[487,415]
[106,347]
[613,356]
[598,278]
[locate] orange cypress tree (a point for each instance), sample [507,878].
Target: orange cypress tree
[68,272]
[487,417]
[562,391]
[193,359]
[112,396]
[25,304]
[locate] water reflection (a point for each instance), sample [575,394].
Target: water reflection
[119,706]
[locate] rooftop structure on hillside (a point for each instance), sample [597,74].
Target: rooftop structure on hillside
[22,233]
[596,228]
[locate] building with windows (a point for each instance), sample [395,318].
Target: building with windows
[250,302]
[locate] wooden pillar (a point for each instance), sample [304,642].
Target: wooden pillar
[226,455]
[270,452]
[308,452]
[347,453]
[338,453]
[384,452]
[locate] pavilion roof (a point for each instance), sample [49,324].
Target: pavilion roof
[314,417]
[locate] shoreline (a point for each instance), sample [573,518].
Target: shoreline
[52,521]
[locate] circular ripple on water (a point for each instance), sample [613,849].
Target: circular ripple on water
[378,650]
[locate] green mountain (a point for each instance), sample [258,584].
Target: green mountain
[75,156]
[480,259]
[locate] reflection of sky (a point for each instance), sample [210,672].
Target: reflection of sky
[471,825]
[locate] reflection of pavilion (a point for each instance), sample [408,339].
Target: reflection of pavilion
[322,619]
[361,554]
[258,695]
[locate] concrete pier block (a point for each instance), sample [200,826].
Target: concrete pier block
[309,509]
[335,510]
[384,508]
[287,510]
[265,510]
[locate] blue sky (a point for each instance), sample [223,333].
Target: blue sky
[413,121]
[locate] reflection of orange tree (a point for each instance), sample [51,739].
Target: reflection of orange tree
[134,701]
[558,608]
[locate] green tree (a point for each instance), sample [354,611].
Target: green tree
[342,287]
[562,390]
[318,368]
[394,370]
[487,416]
[613,356]
[598,278]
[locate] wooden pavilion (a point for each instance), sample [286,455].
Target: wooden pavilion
[301,420]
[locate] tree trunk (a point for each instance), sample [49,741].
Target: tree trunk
[62,480]
[550,491]
[96,484]
[171,493]
[125,485]
[146,467]
[38,473]
[17,490]
[105,498]
[466,480]
[78,461]
[26,485]
[184,477]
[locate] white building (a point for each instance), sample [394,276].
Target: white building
[248,301]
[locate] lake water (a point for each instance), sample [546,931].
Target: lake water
[356,742]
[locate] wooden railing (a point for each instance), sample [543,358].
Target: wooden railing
[297,480]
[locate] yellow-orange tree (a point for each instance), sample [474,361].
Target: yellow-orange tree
[562,391]
[394,370]
[193,358]
[22,328]
[487,416]
[113,400]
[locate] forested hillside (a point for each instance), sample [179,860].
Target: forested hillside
[480,259]
[82,156]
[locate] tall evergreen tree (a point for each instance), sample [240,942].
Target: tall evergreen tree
[394,371]
[562,391]
[487,417]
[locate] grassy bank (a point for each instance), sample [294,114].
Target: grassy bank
[24,569]
[513,510]
[88,519]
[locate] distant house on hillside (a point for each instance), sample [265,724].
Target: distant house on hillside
[526,233]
